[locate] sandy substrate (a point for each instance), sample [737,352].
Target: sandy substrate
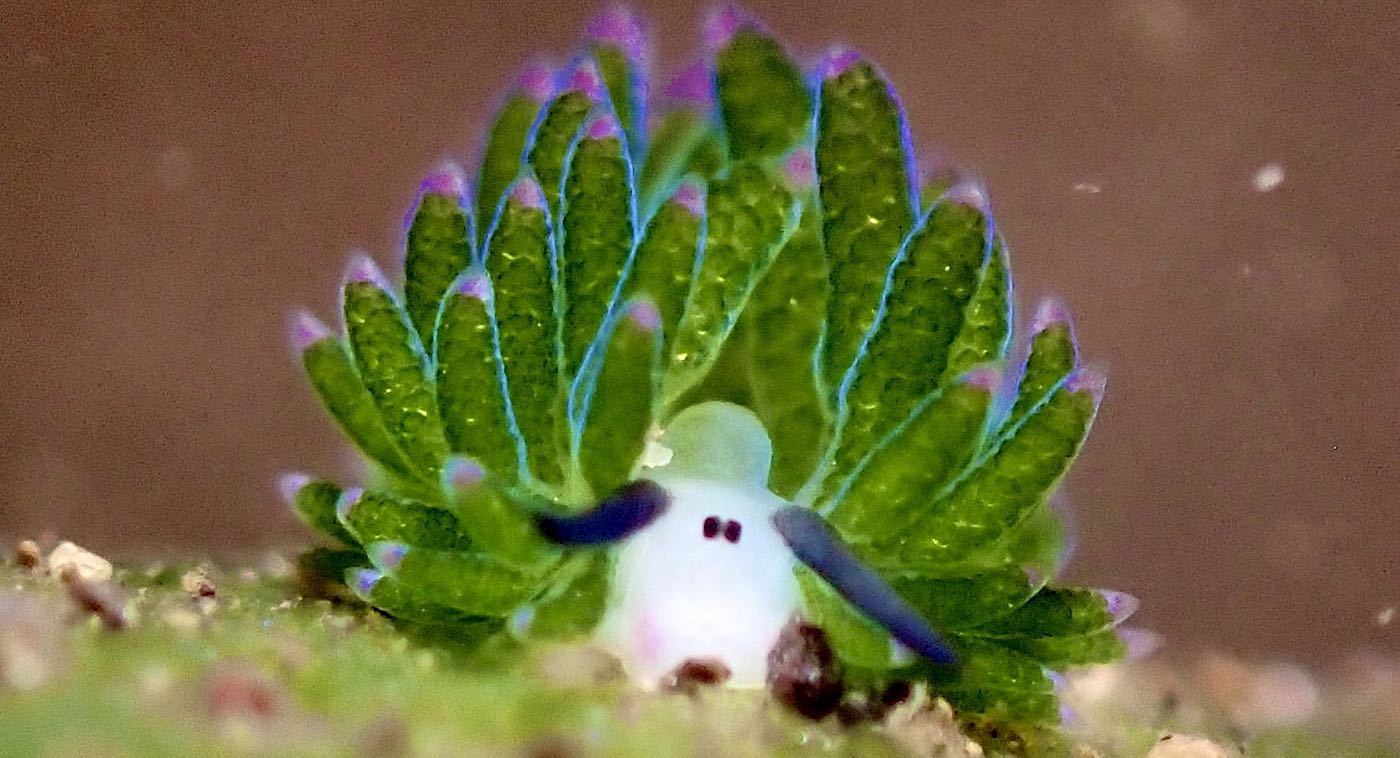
[249,660]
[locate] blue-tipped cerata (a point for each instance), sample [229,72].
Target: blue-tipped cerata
[815,546]
[630,508]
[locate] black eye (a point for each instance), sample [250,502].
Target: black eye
[731,530]
[711,527]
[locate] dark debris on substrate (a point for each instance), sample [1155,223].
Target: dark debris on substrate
[804,674]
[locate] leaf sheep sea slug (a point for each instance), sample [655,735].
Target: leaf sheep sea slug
[678,380]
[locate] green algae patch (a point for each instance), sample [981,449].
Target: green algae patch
[260,665]
[275,660]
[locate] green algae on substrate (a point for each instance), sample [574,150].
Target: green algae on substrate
[261,670]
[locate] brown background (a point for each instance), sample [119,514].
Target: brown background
[176,177]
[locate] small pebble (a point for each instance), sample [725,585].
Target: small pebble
[689,677]
[925,728]
[98,598]
[90,566]
[198,584]
[803,672]
[28,555]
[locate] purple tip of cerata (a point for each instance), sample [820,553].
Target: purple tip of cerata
[1087,379]
[387,555]
[1120,605]
[527,193]
[584,78]
[305,330]
[462,473]
[620,26]
[837,61]
[604,127]
[477,285]
[971,193]
[537,81]
[800,168]
[347,501]
[362,580]
[1049,313]
[362,268]
[521,621]
[448,179]
[644,314]
[694,84]
[289,484]
[721,27]
[1140,643]
[983,377]
[690,195]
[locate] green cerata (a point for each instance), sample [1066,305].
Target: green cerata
[676,381]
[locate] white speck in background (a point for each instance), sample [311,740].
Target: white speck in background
[1385,616]
[1268,177]
[1088,188]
